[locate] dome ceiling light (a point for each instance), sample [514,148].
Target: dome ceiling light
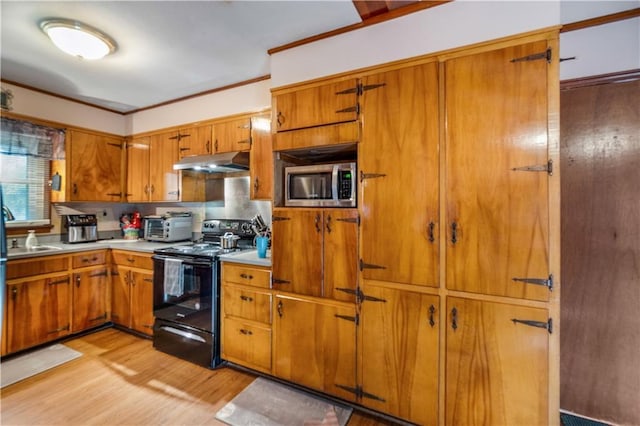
[78,39]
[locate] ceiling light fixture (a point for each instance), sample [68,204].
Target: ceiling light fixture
[78,39]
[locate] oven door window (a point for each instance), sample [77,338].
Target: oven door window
[183,290]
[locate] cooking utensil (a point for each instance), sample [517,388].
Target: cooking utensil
[229,240]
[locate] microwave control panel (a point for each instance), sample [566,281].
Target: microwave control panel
[345,187]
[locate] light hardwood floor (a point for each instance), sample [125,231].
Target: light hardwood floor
[122,380]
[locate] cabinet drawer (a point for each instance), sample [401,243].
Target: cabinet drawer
[242,274]
[246,304]
[246,344]
[136,260]
[89,259]
[36,266]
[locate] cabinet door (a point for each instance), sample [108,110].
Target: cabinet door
[164,181]
[399,160]
[497,367]
[261,159]
[247,344]
[400,370]
[234,135]
[195,141]
[142,301]
[96,167]
[37,312]
[89,299]
[497,209]
[315,345]
[297,253]
[340,254]
[121,296]
[326,104]
[138,187]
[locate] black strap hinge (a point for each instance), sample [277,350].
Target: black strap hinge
[360,296]
[548,325]
[547,282]
[118,145]
[364,175]
[364,266]
[355,220]
[535,56]
[537,168]
[279,281]
[355,108]
[355,319]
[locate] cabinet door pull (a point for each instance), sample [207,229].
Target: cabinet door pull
[432,310]
[78,281]
[280,119]
[256,184]
[454,318]
[431,226]
[75,189]
[328,224]
[317,222]
[130,259]
[280,309]
[454,232]
[246,277]
[246,298]
[86,259]
[14,293]
[215,146]
[246,332]
[208,147]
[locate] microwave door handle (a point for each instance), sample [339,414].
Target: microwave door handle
[334,183]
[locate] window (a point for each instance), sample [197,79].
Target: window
[26,151]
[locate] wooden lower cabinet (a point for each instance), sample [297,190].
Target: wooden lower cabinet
[315,344]
[400,350]
[37,311]
[89,298]
[246,316]
[132,292]
[496,364]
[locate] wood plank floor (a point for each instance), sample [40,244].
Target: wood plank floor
[122,380]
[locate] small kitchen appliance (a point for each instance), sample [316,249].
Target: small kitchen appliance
[79,228]
[186,292]
[170,227]
[321,185]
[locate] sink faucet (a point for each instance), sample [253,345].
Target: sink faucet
[7,213]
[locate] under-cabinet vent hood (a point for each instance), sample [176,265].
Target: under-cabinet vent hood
[218,163]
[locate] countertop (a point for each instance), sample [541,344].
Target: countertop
[61,248]
[249,257]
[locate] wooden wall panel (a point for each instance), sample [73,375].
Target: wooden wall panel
[600,337]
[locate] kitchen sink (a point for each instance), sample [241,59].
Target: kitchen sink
[41,248]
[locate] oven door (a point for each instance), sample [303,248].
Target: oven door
[185,291]
[186,343]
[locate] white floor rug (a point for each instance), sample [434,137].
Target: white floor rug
[35,362]
[268,403]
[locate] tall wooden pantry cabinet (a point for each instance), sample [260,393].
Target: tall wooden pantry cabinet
[458,271]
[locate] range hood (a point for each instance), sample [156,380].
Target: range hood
[218,163]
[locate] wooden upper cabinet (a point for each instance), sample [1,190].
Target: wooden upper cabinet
[497,172]
[398,158]
[232,135]
[497,366]
[261,158]
[326,104]
[163,180]
[195,140]
[95,165]
[150,174]
[138,169]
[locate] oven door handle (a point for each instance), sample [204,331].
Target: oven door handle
[182,333]
[185,261]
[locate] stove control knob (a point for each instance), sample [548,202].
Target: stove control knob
[246,227]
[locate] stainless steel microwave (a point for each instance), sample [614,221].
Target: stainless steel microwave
[321,185]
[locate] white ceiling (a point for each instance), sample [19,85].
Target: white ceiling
[166,49]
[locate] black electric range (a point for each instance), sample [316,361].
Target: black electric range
[186,292]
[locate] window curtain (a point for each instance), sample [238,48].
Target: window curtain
[20,137]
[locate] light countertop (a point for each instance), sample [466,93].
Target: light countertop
[50,249]
[249,257]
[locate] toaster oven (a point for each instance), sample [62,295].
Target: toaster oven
[168,228]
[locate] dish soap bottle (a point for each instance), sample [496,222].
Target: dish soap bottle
[31,240]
